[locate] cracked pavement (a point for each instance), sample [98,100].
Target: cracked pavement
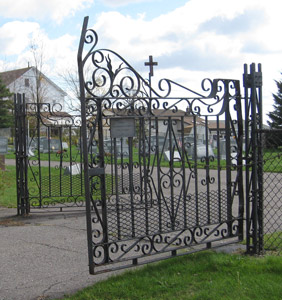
[43,256]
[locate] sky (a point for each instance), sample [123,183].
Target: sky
[190,39]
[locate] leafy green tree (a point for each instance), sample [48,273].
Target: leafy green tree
[276,114]
[6,106]
[273,139]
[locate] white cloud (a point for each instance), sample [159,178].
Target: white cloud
[116,3]
[250,20]
[15,36]
[40,9]
[217,36]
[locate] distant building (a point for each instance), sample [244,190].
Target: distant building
[38,88]
[189,123]
[35,85]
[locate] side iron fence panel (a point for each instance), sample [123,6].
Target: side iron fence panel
[48,157]
[164,181]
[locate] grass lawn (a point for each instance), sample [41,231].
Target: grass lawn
[272,159]
[204,276]
[8,193]
[55,186]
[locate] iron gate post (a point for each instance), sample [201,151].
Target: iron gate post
[23,206]
[254,159]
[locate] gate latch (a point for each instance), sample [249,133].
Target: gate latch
[96,171]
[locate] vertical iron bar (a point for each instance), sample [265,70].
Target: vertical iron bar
[228,157]
[20,151]
[254,160]
[131,184]
[260,169]
[26,196]
[171,163]
[247,158]
[117,187]
[49,161]
[146,178]
[218,169]
[183,162]
[84,140]
[112,166]
[121,165]
[207,167]
[140,155]
[70,164]
[22,136]
[158,173]
[196,169]
[240,160]
[38,118]
[145,175]
[103,180]
[61,159]
[82,190]
[17,132]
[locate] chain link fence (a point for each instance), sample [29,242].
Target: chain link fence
[272,156]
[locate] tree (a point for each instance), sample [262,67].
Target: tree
[6,105]
[273,139]
[39,91]
[276,114]
[71,82]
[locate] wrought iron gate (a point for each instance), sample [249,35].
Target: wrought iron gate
[48,157]
[161,183]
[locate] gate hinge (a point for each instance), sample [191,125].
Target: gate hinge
[247,80]
[96,171]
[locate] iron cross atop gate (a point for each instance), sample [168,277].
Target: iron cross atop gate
[151,63]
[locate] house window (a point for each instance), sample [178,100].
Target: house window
[26,82]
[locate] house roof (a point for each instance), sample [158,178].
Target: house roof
[50,118]
[57,114]
[169,113]
[10,76]
[213,125]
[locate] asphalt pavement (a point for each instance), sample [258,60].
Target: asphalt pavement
[43,256]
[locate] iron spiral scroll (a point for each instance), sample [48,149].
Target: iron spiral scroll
[116,84]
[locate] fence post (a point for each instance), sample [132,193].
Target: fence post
[23,207]
[254,159]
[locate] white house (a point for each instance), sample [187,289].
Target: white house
[38,89]
[35,85]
